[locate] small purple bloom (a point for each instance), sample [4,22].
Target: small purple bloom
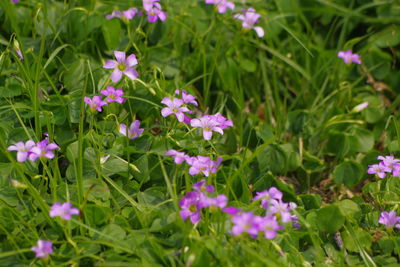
[349,57]
[267,195]
[245,223]
[201,164]
[378,169]
[179,157]
[174,106]
[280,209]
[390,219]
[396,170]
[388,161]
[148,4]
[43,149]
[209,124]
[113,95]
[133,132]
[95,103]
[155,12]
[219,201]
[64,210]
[122,65]
[223,122]
[202,187]
[128,14]
[231,210]
[269,225]
[187,98]
[23,149]
[43,248]
[249,18]
[222,5]
[191,206]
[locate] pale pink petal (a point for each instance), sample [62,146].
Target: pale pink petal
[166,101]
[207,135]
[120,56]
[180,116]
[122,129]
[116,75]
[195,123]
[110,64]
[131,60]
[259,31]
[131,73]
[22,156]
[166,112]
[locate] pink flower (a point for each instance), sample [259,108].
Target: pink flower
[43,249]
[96,103]
[179,157]
[390,219]
[133,132]
[121,66]
[202,187]
[349,57]
[209,124]
[191,206]
[187,98]
[174,106]
[128,14]
[204,165]
[245,223]
[222,5]
[155,12]
[379,169]
[113,95]
[249,18]
[23,149]
[43,149]
[64,210]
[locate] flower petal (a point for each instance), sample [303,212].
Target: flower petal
[120,56]
[116,75]
[131,73]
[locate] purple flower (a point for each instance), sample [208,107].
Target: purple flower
[245,223]
[133,132]
[43,248]
[191,206]
[179,157]
[390,219]
[15,1]
[201,164]
[64,210]
[187,98]
[113,95]
[249,18]
[231,210]
[389,161]
[174,106]
[280,209]
[223,122]
[267,195]
[209,124]
[269,225]
[96,103]
[219,201]
[128,14]
[23,149]
[155,12]
[349,57]
[148,4]
[222,5]
[43,149]
[121,66]
[202,187]
[378,169]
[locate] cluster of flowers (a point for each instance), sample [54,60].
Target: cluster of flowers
[348,57]
[208,123]
[112,95]
[249,17]
[390,219]
[199,164]
[152,9]
[277,213]
[388,164]
[44,247]
[32,151]
[193,202]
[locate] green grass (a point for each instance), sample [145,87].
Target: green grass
[289,96]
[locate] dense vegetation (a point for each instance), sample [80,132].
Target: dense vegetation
[199,133]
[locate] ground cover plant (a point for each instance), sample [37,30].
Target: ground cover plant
[199,133]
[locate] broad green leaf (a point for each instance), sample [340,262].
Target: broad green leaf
[329,219]
[348,173]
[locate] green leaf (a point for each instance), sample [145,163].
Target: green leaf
[111,31]
[329,219]
[363,140]
[273,158]
[348,173]
[349,209]
[359,236]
